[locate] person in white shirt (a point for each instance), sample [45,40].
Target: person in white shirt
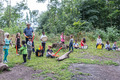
[99,42]
[43,42]
[107,46]
[76,45]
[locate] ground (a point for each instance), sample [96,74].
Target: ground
[90,64]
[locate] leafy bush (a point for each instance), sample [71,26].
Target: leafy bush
[15,29]
[111,34]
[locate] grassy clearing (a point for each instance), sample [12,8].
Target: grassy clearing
[60,69]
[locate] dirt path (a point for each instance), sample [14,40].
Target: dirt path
[96,72]
[20,72]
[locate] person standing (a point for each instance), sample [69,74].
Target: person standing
[71,43]
[62,38]
[23,50]
[29,47]
[43,42]
[17,40]
[28,32]
[6,47]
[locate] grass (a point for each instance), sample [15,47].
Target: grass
[60,69]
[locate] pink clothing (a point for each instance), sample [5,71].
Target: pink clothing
[62,38]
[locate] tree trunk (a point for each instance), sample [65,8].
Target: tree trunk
[66,55]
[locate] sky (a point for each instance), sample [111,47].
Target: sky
[32,4]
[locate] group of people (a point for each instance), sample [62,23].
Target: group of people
[28,45]
[73,45]
[107,46]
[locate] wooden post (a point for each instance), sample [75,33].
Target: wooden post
[2,66]
[1,44]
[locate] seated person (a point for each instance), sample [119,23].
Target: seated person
[99,42]
[115,46]
[50,52]
[107,46]
[83,43]
[76,45]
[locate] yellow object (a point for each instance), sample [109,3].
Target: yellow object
[99,46]
[39,49]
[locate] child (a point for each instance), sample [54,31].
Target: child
[6,47]
[107,46]
[17,46]
[83,43]
[115,46]
[29,47]
[76,45]
[71,43]
[50,52]
[62,38]
[23,50]
[43,42]
[99,42]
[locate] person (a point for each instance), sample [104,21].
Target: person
[71,43]
[29,47]
[76,45]
[23,51]
[83,43]
[43,42]
[17,40]
[107,46]
[49,52]
[115,46]
[6,46]
[99,42]
[62,38]
[28,32]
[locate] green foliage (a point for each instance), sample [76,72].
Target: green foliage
[15,29]
[75,16]
[111,34]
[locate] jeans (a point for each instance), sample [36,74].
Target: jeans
[6,54]
[109,49]
[29,53]
[43,45]
[32,44]
[101,44]
[48,55]
[71,46]
[24,57]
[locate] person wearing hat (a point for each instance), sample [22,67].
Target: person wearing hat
[29,47]
[28,32]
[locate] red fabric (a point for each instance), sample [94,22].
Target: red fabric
[82,43]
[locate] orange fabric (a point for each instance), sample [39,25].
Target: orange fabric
[16,50]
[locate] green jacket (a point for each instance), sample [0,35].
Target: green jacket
[23,49]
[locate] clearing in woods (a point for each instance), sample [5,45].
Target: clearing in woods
[90,64]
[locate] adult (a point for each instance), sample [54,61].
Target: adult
[43,42]
[99,42]
[62,38]
[28,32]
